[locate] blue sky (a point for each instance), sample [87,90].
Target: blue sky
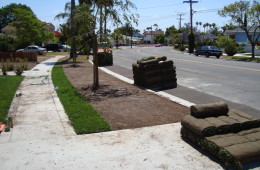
[161,12]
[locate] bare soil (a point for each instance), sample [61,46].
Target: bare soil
[122,105]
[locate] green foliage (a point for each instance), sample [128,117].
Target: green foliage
[29,30]
[245,14]
[159,38]
[8,87]
[191,38]
[248,59]
[231,49]
[7,15]
[147,58]
[182,48]
[82,115]
[7,43]
[223,41]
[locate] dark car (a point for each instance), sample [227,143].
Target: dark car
[54,47]
[209,51]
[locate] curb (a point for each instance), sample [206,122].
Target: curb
[159,93]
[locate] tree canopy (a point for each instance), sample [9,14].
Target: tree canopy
[7,13]
[246,15]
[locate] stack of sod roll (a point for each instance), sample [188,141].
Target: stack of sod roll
[155,72]
[231,135]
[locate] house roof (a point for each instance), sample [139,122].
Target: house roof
[240,30]
[8,27]
[153,32]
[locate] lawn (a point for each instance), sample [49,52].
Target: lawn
[8,86]
[83,117]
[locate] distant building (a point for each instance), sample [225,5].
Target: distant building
[9,30]
[239,35]
[50,27]
[138,35]
[149,35]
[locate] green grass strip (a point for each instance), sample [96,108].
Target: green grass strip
[8,87]
[83,117]
[249,59]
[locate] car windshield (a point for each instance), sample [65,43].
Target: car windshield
[213,48]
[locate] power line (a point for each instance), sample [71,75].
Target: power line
[161,6]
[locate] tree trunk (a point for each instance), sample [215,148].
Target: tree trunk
[95,66]
[101,25]
[253,50]
[73,44]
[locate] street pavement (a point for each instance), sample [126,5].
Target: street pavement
[202,80]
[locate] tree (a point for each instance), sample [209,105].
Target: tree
[30,30]
[7,15]
[159,38]
[117,10]
[117,35]
[247,17]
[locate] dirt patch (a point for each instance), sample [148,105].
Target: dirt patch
[122,105]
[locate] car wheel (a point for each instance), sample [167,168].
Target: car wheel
[218,56]
[207,55]
[196,54]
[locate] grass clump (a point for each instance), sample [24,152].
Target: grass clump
[84,118]
[8,87]
[249,59]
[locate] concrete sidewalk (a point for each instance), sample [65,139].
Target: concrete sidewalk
[42,137]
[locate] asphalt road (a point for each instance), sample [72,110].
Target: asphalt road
[234,81]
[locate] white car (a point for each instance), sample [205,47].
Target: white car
[33,48]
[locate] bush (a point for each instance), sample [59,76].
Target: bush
[231,49]
[105,59]
[182,48]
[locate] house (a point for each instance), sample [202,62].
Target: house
[9,30]
[138,35]
[50,27]
[239,35]
[149,35]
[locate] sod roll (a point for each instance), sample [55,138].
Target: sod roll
[245,152]
[209,110]
[200,127]
[235,126]
[222,127]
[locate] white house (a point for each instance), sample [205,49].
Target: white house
[149,35]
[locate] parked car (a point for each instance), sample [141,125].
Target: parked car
[209,51]
[33,48]
[66,48]
[56,47]
[158,45]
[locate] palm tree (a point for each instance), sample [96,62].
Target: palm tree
[204,26]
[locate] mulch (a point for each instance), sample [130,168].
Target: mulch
[122,105]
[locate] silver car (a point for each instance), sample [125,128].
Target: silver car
[33,48]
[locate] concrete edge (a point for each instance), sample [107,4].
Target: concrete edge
[159,93]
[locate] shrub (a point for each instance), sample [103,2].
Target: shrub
[182,48]
[4,69]
[105,58]
[231,49]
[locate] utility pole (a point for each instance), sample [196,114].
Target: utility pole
[191,13]
[180,14]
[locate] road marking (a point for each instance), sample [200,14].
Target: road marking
[200,62]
